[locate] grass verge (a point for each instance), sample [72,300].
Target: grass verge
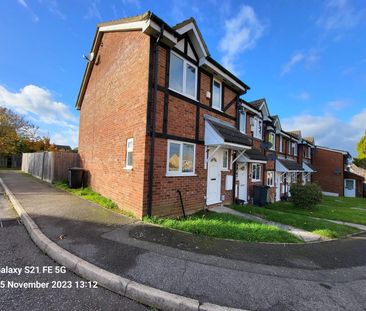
[227,227]
[334,208]
[322,227]
[90,195]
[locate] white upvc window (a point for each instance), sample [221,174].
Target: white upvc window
[182,76]
[181,158]
[129,153]
[288,147]
[309,152]
[256,172]
[217,95]
[242,121]
[270,178]
[281,144]
[225,160]
[272,140]
[294,149]
[258,128]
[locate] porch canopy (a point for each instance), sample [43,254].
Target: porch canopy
[225,135]
[220,134]
[252,156]
[308,168]
[288,166]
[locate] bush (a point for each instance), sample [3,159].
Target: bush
[306,196]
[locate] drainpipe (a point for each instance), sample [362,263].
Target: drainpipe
[234,164]
[152,144]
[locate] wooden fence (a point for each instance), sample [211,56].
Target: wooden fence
[49,166]
[12,161]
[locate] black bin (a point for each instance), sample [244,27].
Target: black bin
[76,177]
[260,195]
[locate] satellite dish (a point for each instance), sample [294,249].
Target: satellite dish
[266,145]
[89,57]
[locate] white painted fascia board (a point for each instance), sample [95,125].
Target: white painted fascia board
[251,109]
[334,150]
[189,27]
[140,25]
[157,28]
[204,61]
[236,146]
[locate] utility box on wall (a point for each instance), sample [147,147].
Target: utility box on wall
[229,182]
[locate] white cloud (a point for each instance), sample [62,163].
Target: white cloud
[308,59]
[340,15]
[93,11]
[303,96]
[53,7]
[338,104]
[23,3]
[328,130]
[241,33]
[39,106]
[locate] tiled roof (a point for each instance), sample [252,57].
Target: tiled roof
[256,104]
[296,133]
[255,154]
[231,134]
[291,165]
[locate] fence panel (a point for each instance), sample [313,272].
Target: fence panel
[49,166]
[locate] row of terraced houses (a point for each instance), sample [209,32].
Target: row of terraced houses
[162,124]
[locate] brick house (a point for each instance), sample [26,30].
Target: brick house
[162,124]
[333,174]
[159,119]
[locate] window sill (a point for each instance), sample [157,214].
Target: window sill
[256,180]
[180,175]
[128,169]
[185,95]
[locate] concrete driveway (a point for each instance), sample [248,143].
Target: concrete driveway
[322,276]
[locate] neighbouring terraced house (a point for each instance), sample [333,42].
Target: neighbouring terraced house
[162,124]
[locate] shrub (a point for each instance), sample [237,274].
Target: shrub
[306,196]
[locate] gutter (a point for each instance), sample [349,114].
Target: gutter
[153,124]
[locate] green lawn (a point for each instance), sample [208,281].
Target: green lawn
[335,208]
[90,195]
[226,226]
[321,227]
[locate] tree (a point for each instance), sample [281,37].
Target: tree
[360,161]
[19,135]
[361,147]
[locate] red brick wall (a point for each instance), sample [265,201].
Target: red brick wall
[182,122]
[113,110]
[326,162]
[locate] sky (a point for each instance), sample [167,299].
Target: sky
[307,58]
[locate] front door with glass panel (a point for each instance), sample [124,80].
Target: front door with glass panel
[213,180]
[350,188]
[243,181]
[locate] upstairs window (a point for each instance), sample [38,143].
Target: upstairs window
[272,140]
[294,149]
[182,76]
[129,153]
[309,152]
[181,158]
[257,128]
[216,95]
[288,147]
[242,122]
[281,144]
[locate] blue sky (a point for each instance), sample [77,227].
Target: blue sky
[307,58]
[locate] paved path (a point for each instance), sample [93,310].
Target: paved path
[321,276]
[302,234]
[350,224]
[18,251]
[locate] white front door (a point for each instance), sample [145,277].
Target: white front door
[243,182]
[278,186]
[213,181]
[350,188]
